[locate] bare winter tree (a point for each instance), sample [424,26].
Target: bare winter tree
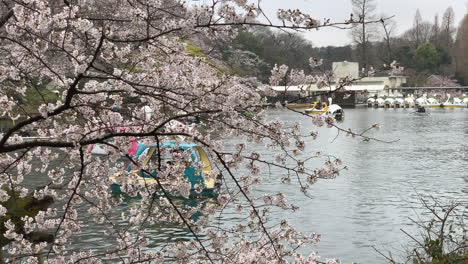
[389,27]
[363,34]
[419,33]
[435,38]
[448,28]
[417,25]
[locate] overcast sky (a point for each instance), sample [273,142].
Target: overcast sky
[339,10]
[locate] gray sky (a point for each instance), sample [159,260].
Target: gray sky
[339,10]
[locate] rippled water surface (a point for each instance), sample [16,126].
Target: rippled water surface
[369,203]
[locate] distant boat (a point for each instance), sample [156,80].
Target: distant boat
[432,102]
[408,102]
[389,102]
[97,149]
[399,102]
[317,108]
[299,105]
[420,101]
[336,112]
[427,102]
[465,101]
[379,102]
[455,102]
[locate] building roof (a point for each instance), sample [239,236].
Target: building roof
[314,88]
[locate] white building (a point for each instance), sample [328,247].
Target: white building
[370,86]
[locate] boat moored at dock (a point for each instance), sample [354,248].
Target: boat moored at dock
[379,102]
[389,102]
[399,103]
[408,102]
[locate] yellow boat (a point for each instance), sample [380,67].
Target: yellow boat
[304,105]
[317,108]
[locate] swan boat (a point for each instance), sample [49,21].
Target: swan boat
[299,105]
[379,102]
[399,103]
[455,102]
[335,111]
[389,102]
[408,102]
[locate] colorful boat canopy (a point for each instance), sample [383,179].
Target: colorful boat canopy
[166,144]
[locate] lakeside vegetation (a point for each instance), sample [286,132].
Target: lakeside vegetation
[425,49]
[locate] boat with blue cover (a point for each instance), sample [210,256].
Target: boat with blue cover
[199,172]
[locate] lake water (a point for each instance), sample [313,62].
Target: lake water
[369,203]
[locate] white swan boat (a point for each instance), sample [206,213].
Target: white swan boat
[432,102]
[389,102]
[379,102]
[335,111]
[399,103]
[408,102]
[455,102]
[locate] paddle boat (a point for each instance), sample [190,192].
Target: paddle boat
[203,179]
[432,102]
[458,101]
[420,101]
[97,149]
[370,102]
[336,112]
[399,103]
[465,101]
[299,105]
[408,102]
[389,102]
[317,108]
[455,102]
[379,102]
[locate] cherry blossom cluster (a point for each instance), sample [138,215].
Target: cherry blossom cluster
[95,67]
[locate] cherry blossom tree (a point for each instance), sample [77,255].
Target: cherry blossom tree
[105,60]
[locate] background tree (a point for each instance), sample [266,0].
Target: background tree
[419,33]
[435,37]
[389,27]
[427,57]
[461,56]
[447,29]
[99,53]
[363,34]
[418,28]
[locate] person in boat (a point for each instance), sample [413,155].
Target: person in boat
[421,109]
[318,106]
